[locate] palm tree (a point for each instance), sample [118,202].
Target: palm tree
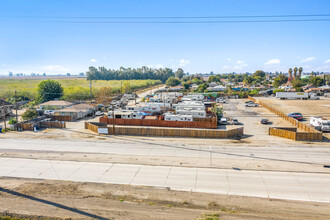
[295,70]
[300,71]
[290,74]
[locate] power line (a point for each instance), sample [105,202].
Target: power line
[183,22]
[170,17]
[175,19]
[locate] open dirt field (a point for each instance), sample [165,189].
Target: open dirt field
[62,199]
[307,108]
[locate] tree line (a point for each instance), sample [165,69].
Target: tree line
[102,73]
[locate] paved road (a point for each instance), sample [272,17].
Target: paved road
[280,185]
[125,146]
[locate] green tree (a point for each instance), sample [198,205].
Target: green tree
[202,87]
[248,80]
[212,78]
[179,73]
[297,83]
[197,81]
[295,70]
[186,85]
[290,74]
[300,70]
[12,121]
[29,114]
[172,81]
[259,73]
[278,90]
[281,79]
[49,90]
[316,81]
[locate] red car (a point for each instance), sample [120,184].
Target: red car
[297,116]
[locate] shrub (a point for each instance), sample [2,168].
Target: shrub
[29,114]
[12,121]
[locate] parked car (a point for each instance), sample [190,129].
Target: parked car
[49,112]
[99,113]
[235,122]
[221,100]
[296,115]
[251,104]
[223,121]
[264,121]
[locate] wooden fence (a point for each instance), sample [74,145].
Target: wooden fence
[168,132]
[93,126]
[162,123]
[311,133]
[291,133]
[61,118]
[25,126]
[43,124]
[284,132]
[52,124]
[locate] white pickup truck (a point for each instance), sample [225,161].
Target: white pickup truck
[320,123]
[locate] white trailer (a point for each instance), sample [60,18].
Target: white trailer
[320,123]
[296,95]
[172,117]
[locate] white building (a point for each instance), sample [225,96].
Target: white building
[218,88]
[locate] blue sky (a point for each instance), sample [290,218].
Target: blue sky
[28,45]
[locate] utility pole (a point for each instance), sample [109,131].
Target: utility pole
[90,87]
[113,119]
[4,114]
[16,106]
[135,97]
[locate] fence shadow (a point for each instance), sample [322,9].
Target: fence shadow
[57,205]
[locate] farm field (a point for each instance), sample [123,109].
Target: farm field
[70,86]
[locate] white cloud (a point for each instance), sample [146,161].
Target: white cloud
[184,62]
[226,67]
[239,62]
[273,61]
[327,61]
[93,60]
[308,59]
[229,59]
